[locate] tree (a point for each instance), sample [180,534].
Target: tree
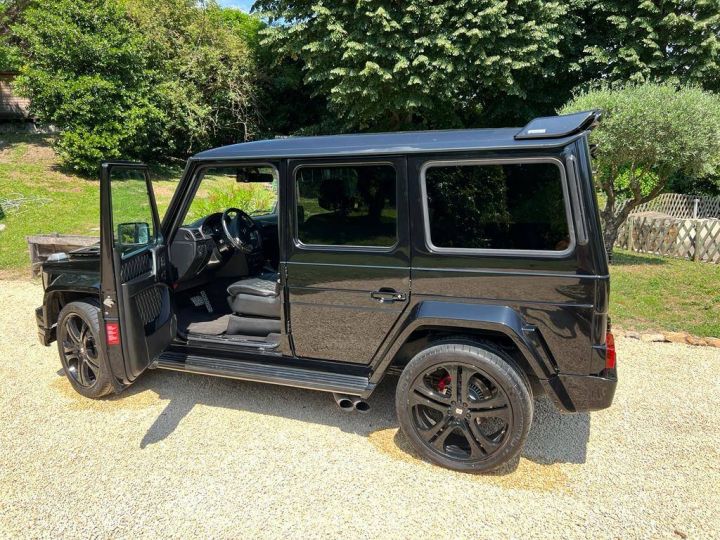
[10,13]
[648,134]
[385,64]
[203,62]
[86,71]
[672,40]
[126,79]
[278,82]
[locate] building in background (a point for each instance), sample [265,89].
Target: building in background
[12,107]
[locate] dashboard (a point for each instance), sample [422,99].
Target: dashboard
[202,246]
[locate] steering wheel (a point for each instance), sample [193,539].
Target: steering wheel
[241,231]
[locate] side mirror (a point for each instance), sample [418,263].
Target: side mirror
[301,215]
[133,234]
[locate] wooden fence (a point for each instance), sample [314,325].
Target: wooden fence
[674,225]
[694,239]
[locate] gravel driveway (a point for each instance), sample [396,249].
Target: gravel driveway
[181,455]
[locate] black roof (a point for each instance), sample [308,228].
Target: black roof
[408,142]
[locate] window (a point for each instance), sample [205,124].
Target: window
[347,205]
[518,206]
[252,189]
[132,213]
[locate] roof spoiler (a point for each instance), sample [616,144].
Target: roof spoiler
[555,127]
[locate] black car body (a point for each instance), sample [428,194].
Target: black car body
[348,314]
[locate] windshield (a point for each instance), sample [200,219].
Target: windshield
[250,189]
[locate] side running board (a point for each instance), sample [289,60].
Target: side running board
[266,373]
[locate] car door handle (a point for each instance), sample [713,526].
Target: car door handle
[386,295]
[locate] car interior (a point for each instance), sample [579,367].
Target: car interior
[226,255]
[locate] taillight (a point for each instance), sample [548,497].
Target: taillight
[610,355]
[112,333]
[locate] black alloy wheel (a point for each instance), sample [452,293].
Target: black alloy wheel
[465,405]
[81,355]
[80,350]
[460,412]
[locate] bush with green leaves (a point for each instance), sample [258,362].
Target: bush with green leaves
[648,134]
[130,79]
[222,193]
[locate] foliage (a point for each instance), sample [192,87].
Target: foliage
[392,65]
[10,13]
[648,134]
[692,185]
[285,104]
[202,60]
[673,40]
[133,80]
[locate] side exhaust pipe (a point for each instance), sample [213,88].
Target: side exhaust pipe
[344,401]
[360,405]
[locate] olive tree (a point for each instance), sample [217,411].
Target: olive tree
[648,134]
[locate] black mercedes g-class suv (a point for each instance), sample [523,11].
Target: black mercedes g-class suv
[468,262]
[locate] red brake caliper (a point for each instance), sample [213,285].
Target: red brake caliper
[443,383]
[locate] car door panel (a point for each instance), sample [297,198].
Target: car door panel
[333,314]
[136,298]
[149,322]
[343,300]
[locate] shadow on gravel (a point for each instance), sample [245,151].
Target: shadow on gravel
[554,437]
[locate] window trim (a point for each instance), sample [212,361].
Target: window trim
[494,251]
[342,247]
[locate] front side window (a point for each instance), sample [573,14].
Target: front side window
[132,213]
[252,189]
[347,205]
[518,206]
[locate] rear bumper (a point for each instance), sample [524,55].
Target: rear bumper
[45,335]
[583,393]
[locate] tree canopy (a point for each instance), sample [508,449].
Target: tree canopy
[391,65]
[673,40]
[159,80]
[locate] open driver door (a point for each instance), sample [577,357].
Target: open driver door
[138,319]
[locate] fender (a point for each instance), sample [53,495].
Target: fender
[457,315]
[82,285]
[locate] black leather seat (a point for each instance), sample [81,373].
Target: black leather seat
[257,296]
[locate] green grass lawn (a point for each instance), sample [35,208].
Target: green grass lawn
[648,292]
[29,168]
[657,293]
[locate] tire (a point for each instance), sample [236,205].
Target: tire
[478,433]
[84,363]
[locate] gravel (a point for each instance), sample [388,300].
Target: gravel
[181,455]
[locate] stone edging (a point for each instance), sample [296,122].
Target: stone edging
[671,337]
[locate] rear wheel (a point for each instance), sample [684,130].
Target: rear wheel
[465,405]
[78,337]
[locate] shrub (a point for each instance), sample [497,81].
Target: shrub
[134,80]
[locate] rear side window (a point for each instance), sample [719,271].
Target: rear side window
[347,205]
[518,206]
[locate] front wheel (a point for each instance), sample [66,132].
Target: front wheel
[464,405]
[82,357]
